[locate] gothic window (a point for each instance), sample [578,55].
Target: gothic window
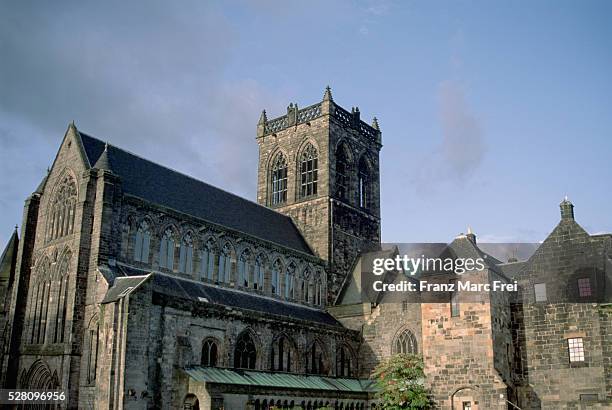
[186,255]
[92,337]
[245,353]
[343,362]
[207,260]
[62,300]
[405,343]
[277,268]
[342,172]
[225,264]
[575,348]
[258,276]
[209,353]
[289,282]
[283,353]
[308,171]
[166,250]
[142,242]
[318,290]
[364,183]
[315,361]
[304,291]
[244,269]
[62,209]
[41,310]
[279,179]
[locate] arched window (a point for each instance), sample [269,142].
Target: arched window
[62,211]
[209,353]
[343,170]
[207,260]
[62,299]
[308,171]
[318,290]
[277,268]
[364,183]
[166,250]
[186,255]
[41,310]
[225,264]
[142,241]
[91,342]
[283,354]
[245,353]
[289,281]
[343,362]
[305,285]
[279,179]
[315,360]
[244,269]
[258,276]
[406,343]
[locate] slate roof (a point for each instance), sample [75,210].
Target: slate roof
[160,185]
[513,269]
[216,295]
[122,287]
[8,259]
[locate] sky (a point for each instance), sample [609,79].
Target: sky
[491,112]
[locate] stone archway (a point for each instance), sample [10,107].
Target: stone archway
[191,402]
[464,398]
[39,377]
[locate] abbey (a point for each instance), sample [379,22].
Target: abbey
[133,286]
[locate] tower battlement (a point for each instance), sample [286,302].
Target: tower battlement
[296,116]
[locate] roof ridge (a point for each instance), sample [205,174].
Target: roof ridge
[184,175]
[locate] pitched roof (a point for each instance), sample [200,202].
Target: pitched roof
[160,185]
[215,295]
[513,269]
[8,259]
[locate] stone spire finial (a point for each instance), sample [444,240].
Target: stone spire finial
[16,227]
[328,95]
[567,209]
[263,118]
[375,124]
[106,147]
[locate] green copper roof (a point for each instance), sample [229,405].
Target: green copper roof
[278,380]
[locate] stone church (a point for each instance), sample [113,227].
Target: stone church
[133,286]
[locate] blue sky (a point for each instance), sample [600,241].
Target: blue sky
[491,112]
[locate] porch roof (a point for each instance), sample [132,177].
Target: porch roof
[279,380]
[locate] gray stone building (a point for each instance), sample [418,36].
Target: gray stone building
[132,286]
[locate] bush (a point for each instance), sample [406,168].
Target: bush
[400,380]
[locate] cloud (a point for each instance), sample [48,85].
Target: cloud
[149,79]
[463,145]
[462,149]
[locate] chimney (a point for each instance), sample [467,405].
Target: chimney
[471,235]
[567,210]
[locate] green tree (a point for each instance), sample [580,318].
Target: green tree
[400,380]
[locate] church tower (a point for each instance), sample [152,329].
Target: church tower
[320,166]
